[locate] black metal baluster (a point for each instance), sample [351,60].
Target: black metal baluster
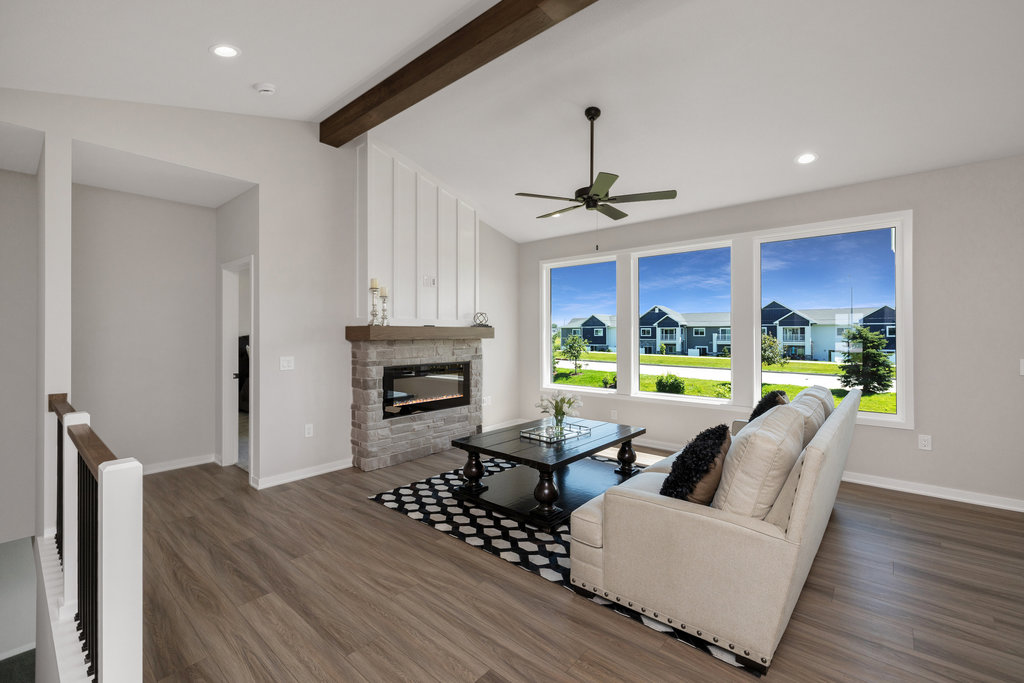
[59,536]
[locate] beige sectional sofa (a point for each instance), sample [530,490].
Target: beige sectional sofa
[729,578]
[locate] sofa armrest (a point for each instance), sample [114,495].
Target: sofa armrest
[721,573]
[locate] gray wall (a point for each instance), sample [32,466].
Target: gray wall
[19,299]
[968,239]
[306,290]
[17,598]
[499,299]
[144,293]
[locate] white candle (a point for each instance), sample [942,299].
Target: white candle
[383,291]
[373,283]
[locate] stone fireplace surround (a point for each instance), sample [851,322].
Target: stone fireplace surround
[377,442]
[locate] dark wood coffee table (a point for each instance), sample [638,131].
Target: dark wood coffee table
[529,492]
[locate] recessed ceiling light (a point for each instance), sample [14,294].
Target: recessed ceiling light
[225,50]
[807,158]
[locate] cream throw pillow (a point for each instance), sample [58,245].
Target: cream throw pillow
[759,461]
[814,414]
[822,394]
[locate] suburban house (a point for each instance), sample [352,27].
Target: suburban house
[817,333]
[345,212]
[597,330]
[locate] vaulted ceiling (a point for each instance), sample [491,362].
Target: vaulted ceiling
[714,99]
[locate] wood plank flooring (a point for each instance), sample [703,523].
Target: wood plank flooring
[310,581]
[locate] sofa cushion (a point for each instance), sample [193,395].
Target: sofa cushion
[823,395]
[697,470]
[814,415]
[587,521]
[759,461]
[767,402]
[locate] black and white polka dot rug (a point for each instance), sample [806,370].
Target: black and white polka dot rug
[545,554]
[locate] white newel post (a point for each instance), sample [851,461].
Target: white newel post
[69,595]
[120,571]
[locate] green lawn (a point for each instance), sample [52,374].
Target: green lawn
[872,403]
[800,366]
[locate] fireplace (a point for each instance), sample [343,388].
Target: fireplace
[411,389]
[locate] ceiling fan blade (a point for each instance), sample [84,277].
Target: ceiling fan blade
[602,183]
[545,196]
[559,212]
[611,212]
[642,197]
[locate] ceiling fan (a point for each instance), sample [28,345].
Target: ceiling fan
[595,196]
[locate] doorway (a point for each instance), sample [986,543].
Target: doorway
[238,379]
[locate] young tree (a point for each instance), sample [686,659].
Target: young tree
[662,349]
[572,349]
[771,351]
[867,365]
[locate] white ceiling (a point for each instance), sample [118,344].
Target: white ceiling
[711,98]
[114,169]
[20,149]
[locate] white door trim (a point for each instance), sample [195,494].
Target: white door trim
[230,273]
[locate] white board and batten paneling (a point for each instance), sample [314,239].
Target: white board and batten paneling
[417,238]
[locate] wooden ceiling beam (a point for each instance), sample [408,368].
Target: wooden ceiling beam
[504,26]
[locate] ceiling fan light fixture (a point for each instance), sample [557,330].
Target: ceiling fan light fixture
[225,50]
[806,158]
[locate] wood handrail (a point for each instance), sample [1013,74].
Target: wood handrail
[90,447]
[58,403]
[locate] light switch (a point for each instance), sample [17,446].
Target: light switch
[287,362]
[1022,366]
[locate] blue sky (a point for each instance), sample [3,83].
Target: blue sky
[814,272]
[818,272]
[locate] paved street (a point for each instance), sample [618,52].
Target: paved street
[800,379]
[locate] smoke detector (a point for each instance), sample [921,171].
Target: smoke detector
[265,88]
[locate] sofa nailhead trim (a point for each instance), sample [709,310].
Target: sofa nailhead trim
[763,660]
[644,610]
[630,604]
[715,639]
[731,646]
[746,652]
[699,633]
[606,594]
[655,615]
[670,620]
[618,599]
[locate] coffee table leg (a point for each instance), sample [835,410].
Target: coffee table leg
[472,472]
[626,457]
[546,494]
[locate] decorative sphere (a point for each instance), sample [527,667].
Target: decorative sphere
[480,319]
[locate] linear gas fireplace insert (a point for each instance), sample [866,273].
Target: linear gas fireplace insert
[410,389]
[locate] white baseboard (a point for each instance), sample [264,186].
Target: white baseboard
[167,465]
[958,495]
[16,651]
[278,479]
[661,445]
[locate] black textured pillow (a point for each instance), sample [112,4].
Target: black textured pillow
[697,470]
[769,401]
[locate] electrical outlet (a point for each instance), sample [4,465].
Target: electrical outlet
[429,281]
[924,442]
[309,430]
[287,362]
[486,401]
[614,414]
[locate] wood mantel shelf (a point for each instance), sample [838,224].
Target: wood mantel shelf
[408,332]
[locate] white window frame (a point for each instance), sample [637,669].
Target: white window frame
[890,331]
[599,332]
[745,250]
[646,332]
[576,332]
[545,311]
[902,222]
[699,332]
[635,254]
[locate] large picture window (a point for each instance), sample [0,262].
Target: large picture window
[681,294]
[582,323]
[830,301]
